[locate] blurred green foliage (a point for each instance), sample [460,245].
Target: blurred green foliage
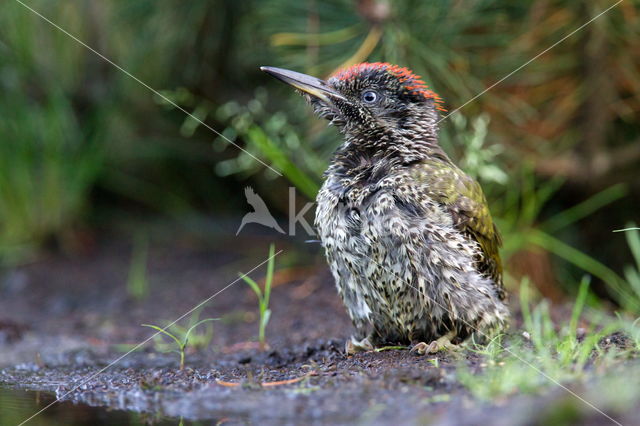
[550,144]
[51,154]
[47,168]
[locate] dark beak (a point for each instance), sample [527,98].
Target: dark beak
[305,83]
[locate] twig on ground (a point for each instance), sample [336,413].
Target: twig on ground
[270,384]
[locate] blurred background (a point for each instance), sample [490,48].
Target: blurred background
[88,155]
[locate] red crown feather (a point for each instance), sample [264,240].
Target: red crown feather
[407,78]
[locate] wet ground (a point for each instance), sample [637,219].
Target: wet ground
[64,320]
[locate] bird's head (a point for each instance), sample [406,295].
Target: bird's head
[370,99]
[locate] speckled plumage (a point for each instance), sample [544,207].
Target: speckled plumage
[407,234]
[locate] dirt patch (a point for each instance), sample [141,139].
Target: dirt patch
[67,319]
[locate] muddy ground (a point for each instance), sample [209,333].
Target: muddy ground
[65,318]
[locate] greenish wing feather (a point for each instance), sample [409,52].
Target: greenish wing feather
[463,197]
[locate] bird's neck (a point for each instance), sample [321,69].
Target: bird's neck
[388,148]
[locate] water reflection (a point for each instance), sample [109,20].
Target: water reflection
[18,405]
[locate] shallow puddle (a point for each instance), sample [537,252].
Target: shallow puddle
[16,406]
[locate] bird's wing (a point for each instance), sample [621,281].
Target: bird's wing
[254,200]
[462,196]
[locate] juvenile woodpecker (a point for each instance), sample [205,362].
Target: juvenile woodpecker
[408,235]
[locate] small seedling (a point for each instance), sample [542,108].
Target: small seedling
[196,340]
[181,343]
[263,296]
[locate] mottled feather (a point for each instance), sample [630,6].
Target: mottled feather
[464,199]
[407,234]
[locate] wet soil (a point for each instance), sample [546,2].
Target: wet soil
[64,320]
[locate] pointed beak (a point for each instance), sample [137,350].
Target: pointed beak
[305,83]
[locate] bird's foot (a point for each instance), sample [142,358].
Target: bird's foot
[443,343]
[354,345]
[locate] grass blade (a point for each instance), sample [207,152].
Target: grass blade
[163,331]
[579,305]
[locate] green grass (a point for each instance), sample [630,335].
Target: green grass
[263,296]
[183,337]
[544,353]
[632,272]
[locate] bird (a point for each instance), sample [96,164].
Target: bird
[260,213]
[408,235]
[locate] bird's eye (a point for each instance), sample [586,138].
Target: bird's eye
[370,96]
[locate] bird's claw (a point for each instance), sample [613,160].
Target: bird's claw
[423,348]
[354,346]
[443,343]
